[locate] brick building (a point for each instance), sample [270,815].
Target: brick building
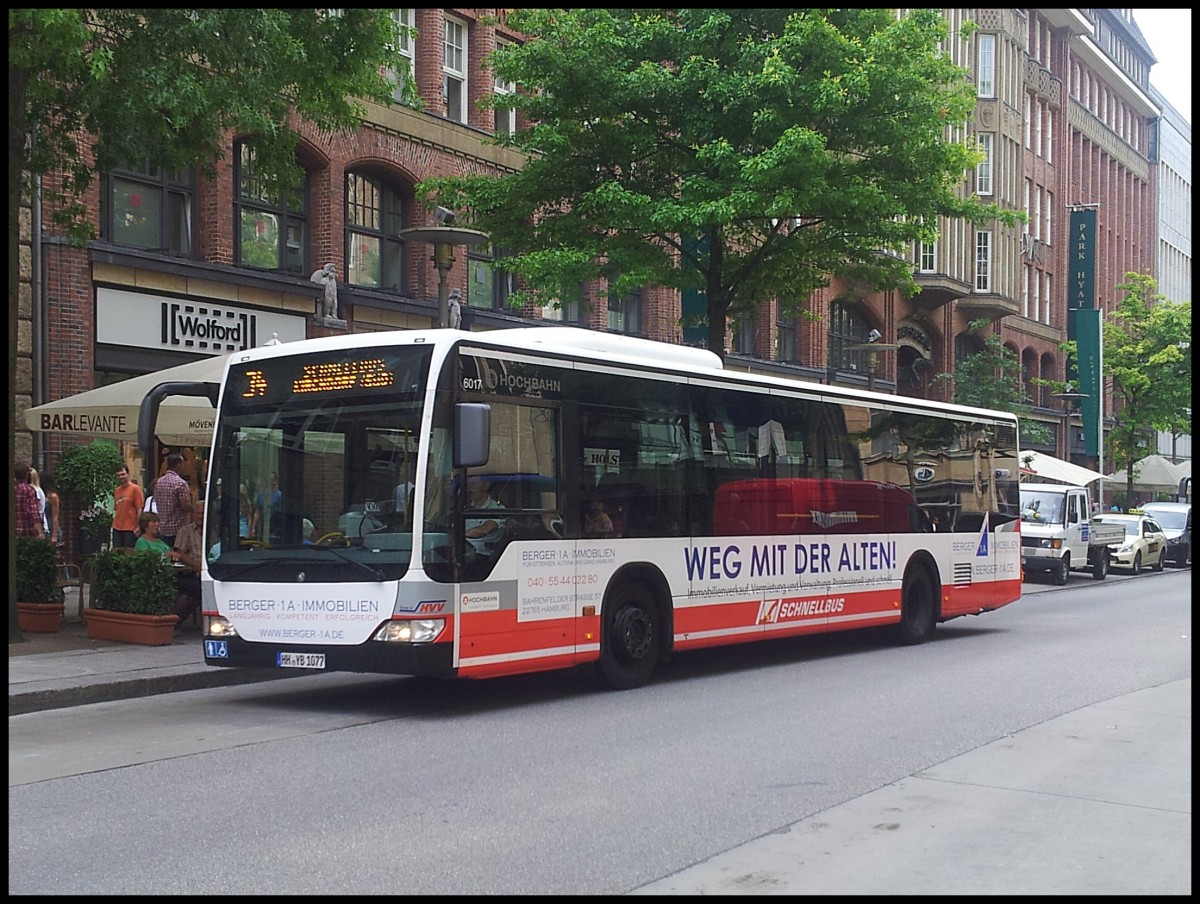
[185,268]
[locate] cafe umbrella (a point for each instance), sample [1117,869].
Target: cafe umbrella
[113,411]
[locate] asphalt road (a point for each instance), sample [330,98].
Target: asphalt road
[542,785]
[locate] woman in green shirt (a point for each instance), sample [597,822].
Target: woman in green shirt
[148,541]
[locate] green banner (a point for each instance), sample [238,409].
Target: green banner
[1084,328]
[1082,261]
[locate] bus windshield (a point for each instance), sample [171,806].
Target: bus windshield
[315,466]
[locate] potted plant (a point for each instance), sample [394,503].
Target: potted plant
[95,525]
[39,598]
[132,597]
[87,474]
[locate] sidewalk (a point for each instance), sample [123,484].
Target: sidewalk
[51,671]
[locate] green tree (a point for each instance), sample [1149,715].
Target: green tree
[1147,354]
[991,378]
[90,89]
[740,154]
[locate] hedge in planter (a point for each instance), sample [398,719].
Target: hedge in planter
[37,571]
[140,583]
[39,598]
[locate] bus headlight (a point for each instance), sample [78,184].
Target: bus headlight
[219,626]
[413,630]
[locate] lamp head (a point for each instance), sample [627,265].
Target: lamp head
[444,216]
[874,336]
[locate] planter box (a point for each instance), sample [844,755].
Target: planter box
[39,618]
[151,630]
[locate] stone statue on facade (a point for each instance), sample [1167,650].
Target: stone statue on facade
[329,300]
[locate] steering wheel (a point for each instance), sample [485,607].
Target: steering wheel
[333,538]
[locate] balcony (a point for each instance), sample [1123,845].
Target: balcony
[938,289]
[987,305]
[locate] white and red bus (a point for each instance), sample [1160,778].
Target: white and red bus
[739,506]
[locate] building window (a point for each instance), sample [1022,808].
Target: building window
[927,257]
[983,172]
[986,82]
[566,312]
[150,208]
[786,341]
[506,119]
[1028,122]
[983,261]
[966,345]
[847,327]
[1049,298]
[1049,135]
[374,249]
[402,75]
[625,313]
[1047,210]
[271,224]
[454,70]
[745,330]
[488,286]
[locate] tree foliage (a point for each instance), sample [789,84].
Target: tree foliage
[92,89]
[743,154]
[991,378]
[1148,356]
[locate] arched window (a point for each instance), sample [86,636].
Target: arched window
[847,326]
[374,218]
[271,224]
[149,208]
[966,345]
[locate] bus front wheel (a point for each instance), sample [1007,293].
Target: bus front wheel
[630,637]
[918,608]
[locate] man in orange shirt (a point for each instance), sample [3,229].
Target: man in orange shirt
[127,505]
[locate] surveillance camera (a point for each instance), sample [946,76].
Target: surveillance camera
[874,336]
[444,216]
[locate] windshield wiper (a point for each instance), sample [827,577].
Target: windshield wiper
[373,572]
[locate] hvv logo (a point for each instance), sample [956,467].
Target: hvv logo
[205,327]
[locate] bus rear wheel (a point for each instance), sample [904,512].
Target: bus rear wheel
[630,637]
[918,608]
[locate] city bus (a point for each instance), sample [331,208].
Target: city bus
[736,506]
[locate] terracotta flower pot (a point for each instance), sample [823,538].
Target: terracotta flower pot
[125,627]
[39,618]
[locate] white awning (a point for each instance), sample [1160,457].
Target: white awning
[111,412]
[1047,467]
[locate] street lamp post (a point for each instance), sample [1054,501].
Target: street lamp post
[1069,396]
[444,237]
[870,351]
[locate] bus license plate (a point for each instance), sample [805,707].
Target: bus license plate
[301,660]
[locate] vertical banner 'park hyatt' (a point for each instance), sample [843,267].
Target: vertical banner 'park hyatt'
[1081,291]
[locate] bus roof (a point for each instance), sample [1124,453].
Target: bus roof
[613,348]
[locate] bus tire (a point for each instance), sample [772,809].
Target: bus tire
[918,608]
[630,636]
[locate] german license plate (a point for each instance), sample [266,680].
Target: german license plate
[301,660]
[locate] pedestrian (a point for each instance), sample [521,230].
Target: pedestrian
[189,550]
[127,508]
[28,522]
[173,498]
[53,509]
[264,524]
[36,482]
[150,505]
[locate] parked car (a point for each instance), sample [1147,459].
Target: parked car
[1145,542]
[1176,521]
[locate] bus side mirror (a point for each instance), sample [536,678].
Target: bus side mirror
[472,434]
